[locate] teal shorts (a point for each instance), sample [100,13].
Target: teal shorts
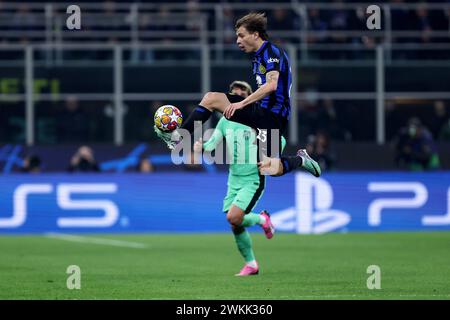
[244,191]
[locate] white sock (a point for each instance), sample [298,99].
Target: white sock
[262,220]
[252,264]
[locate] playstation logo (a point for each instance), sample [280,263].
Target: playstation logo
[313,213]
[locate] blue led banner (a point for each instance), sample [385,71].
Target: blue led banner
[192,202]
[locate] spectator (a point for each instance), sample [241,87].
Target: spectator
[145,166]
[439,118]
[72,122]
[308,113]
[400,17]
[281,19]
[327,120]
[31,164]
[423,23]
[24,19]
[444,135]
[193,15]
[415,148]
[139,54]
[318,24]
[318,147]
[83,161]
[339,20]
[228,25]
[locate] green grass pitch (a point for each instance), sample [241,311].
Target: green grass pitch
[202,266]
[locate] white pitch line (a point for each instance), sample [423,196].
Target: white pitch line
[101,241]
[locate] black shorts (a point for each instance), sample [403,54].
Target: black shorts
[268,125]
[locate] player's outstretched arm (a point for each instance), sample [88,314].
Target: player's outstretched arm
[262,92]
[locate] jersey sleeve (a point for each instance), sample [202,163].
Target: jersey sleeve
[216,137]
[272,60]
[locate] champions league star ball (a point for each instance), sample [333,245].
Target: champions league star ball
[168,118]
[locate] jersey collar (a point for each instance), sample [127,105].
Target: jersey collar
[261,48]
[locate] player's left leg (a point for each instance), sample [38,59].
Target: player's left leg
[250,190]
[280,166]
[243,193]
[234,217]
[243,242]
[270,160]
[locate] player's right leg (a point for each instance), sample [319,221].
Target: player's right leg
[218,101]
[280,166]
[212,101]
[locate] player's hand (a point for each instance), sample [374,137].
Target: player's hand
[270,167]
[229,111]
[198,146]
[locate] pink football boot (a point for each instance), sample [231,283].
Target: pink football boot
[248,271]
[268,227]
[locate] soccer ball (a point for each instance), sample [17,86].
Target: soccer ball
[168,118]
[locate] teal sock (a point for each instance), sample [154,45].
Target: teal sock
[250,219]
[244,244]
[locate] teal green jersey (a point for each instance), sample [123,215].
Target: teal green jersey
[241,146]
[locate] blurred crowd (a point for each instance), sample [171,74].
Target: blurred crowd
[353,120]
[162,23]
[412,134]
[415,149]
[82,161]
[321,121]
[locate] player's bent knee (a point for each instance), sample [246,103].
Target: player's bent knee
[230,218]
[234,218]
[210,99]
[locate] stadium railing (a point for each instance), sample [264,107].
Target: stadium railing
[33,36]
[117,94]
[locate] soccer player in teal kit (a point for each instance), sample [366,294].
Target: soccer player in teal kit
[245,184]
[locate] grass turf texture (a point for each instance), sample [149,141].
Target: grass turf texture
[202,266]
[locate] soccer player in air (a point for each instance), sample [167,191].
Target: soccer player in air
[265,109]
[245,183]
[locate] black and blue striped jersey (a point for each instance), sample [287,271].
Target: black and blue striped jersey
[269,57]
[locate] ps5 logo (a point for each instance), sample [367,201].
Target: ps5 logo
[64,191]
[419,199]
[313,211]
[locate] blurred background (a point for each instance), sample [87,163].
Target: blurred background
[78,154]
[362,99]
[84,181]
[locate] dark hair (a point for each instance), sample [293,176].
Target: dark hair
[35,162]
[254,22]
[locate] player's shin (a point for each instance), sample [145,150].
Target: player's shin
[244,244]
[290,163]
[250,219]
[301,160]
[199,114]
